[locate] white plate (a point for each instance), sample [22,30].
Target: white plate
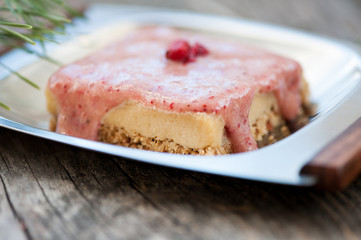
[332,70]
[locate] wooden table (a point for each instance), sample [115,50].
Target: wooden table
[53,191]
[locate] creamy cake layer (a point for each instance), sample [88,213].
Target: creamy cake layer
[192,130]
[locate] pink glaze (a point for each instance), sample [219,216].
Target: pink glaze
[224,82]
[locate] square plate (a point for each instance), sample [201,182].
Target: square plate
[332,70]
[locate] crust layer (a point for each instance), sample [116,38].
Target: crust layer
[122,137]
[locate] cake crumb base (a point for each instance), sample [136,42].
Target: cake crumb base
[120,136]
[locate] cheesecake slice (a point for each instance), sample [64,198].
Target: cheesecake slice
[205,96]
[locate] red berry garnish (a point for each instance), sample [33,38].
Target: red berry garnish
[199,50]
[196,51]
[178,51]
[181,51]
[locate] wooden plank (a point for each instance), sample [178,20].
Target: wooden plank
[11,225]
[27,195]
[63,192]
[66,193]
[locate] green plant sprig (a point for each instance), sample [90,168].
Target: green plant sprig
[32,21]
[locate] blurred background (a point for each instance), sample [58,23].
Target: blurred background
[335,18]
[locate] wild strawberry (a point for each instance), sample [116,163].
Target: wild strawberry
[178,51]
[199,50]
[182,51]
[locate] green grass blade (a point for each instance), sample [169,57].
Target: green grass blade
[49,59]
[4,106]
[20,76]
[18,35]
[11,9]
[17,25]
[42,39]
[50,17]
[72,11]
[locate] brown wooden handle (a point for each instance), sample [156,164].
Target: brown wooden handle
[338,163]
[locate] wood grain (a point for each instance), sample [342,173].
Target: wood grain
[61,192]
[52,191]
[339,163]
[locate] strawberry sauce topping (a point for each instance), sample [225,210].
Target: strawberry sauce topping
[136,68]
